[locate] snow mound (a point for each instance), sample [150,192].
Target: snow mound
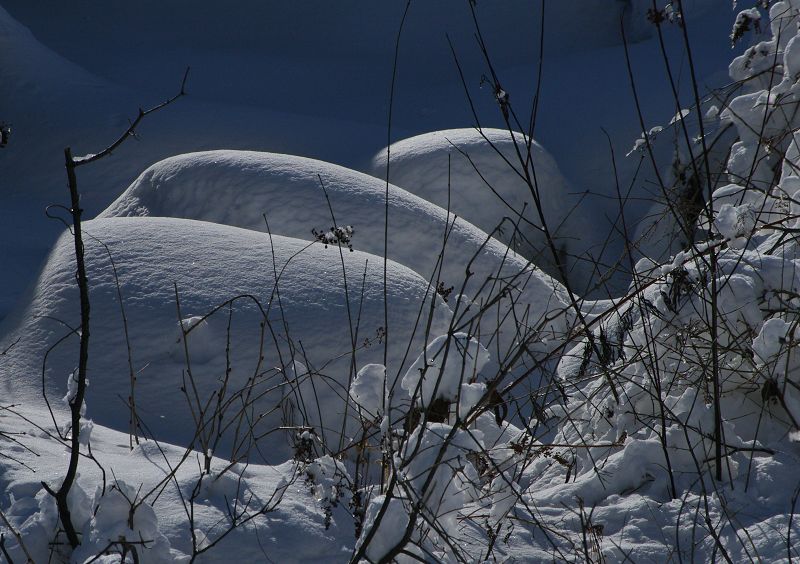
[241,187]
[477,173]
[53,103]
[299,361]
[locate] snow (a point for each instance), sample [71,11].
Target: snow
[436,487]
[288,388]
[755,266]
[284,194]
[306,314]
[477,174]
[469,396]
[770,339]
[735,223]
[297,516]
[68,78]
[391,529]
[241,187]
[369,390]
[441,370]
[111,520]
[54,103]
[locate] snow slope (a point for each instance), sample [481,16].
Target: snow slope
[53,103]
[258,90]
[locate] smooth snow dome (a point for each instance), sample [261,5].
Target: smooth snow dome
[242,187]
[53,103]
[477,173]
[306,314]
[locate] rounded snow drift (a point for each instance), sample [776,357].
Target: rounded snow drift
[479,175]
[305,198]
[253,309]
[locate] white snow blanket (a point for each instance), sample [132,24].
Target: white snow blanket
[242,188]
[304,356]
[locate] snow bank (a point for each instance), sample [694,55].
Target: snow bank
[444,367]
[310,329]
[241,187]
[25,61]
[487,187]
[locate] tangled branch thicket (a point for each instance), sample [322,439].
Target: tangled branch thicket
[683,391]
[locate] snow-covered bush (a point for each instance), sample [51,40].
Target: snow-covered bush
[685,392]
[120,524]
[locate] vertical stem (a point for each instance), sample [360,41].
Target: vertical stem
[386,217]
[77,401]
[715,370]
[714,306]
